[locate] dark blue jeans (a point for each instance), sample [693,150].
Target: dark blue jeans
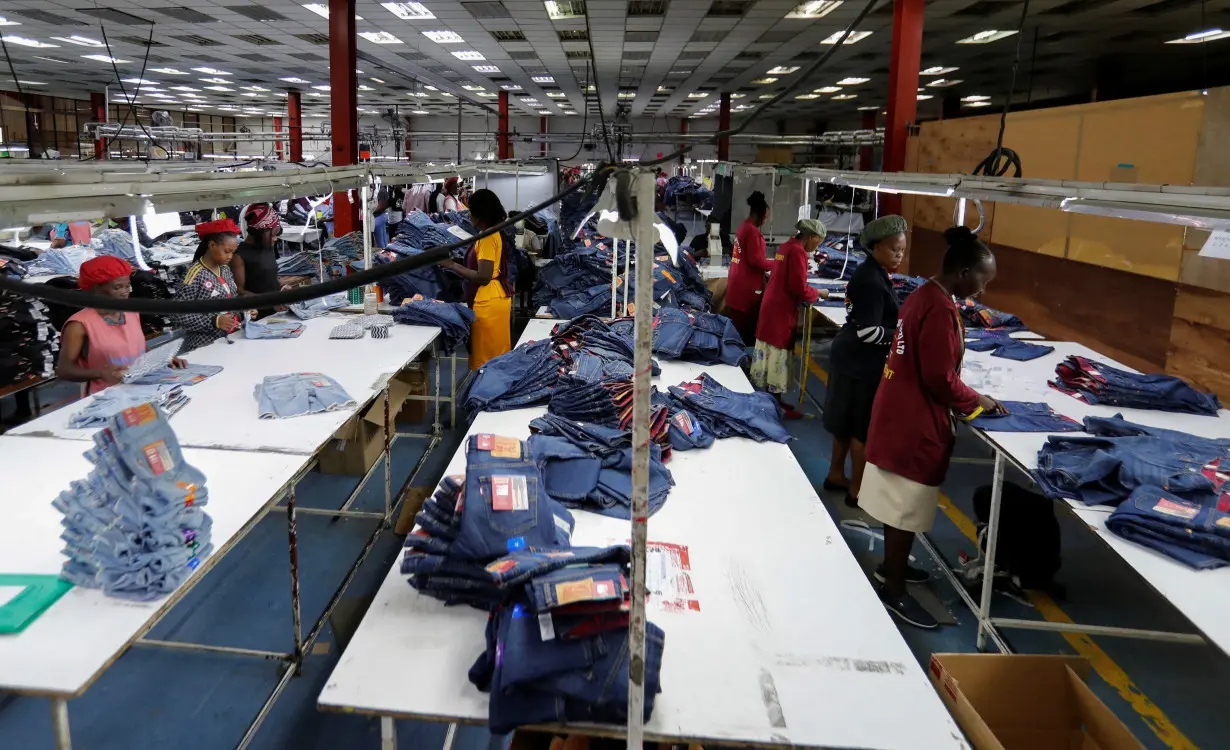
[1098,470]
[1193,532]
[593,583]
[1026,416]
[728,414]
[1099,383]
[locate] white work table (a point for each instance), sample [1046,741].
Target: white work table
[297,235]
[222,411]
[785,614]
[68,646]
[1201,596]
[838,317]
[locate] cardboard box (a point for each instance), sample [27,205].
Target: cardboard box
[354,448]
[414,410]
[1023,702]
[411,504]
[774,155]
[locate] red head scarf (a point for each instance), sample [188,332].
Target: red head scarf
[262,216]
[101,270]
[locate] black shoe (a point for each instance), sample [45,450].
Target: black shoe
[831,486]
[912,574]
[851,501]
[907,609]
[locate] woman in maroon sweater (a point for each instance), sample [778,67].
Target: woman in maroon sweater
[748,267]
[912,429]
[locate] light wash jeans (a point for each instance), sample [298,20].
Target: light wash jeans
[297,394]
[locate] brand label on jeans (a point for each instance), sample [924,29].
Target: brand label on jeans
[1178,510]
[509,493]
[1224,522]
[546,627]
[484,442]
[138,415]
[684,421]
[574,591]
[158,456]
[505,447]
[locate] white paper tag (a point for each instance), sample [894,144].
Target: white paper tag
[1217,245]
[546,628]
[459,233]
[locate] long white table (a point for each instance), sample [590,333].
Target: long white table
[838,317]
[222,410]
[785,615]
[1201,596]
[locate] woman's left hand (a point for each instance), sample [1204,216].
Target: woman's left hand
[822,293]
[178,364]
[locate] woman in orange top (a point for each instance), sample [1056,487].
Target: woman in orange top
[486,275]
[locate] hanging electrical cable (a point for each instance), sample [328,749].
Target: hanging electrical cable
[585,116]
[593,59]
[999,161]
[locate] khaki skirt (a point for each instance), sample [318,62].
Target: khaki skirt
[896,501]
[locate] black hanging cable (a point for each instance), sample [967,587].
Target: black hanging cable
[589,36]
[998,162]
[585,115]
[132,106]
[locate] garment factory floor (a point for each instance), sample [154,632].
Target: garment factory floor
[1170,696]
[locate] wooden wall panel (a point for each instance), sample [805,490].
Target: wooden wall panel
[951,147]
[1048,144]
[1200,340]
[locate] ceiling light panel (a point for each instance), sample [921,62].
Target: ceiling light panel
[543,79]
[783,70]
[943,83]
[986,37]
[379,37]
[814,9]
[468,55]
[937,70]
[104,59]
[83,41]
[211,71]
[764,81]
[852,81]
[844,97]
[1199,37]
[854,38]
[409,11]
[444,37]
[27,42]
[827,90]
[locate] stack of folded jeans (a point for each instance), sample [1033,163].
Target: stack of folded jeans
[904,286]
[115,242]
[452,318]
[63,261]
[726,413]
[703,338]
[1194,531]
[28,340]
[297,394]
[1097,383]
[1026,416]
[523,377]
[297,264]
[584,401]
[314,308]
[427,281]
[1009,348]
[589,467]
[337,253]
[189,374]
[134,526]
[979,334]
[978,315]
[837,264]
[156,359]
[272,328]
[559,653]
[107,403]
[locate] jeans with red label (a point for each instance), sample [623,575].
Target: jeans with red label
[1193,531]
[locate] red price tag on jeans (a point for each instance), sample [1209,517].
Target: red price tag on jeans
[501,493]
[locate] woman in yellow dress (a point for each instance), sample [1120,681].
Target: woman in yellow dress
[486,281]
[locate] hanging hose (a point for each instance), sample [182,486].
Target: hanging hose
[999,161]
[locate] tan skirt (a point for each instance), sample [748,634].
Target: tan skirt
[896,501]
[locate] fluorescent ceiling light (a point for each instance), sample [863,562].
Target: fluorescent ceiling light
[470,87]
[556,95]
[255,88]
[486,68]
[468,54]
[975,98]
[324,87]
[375,80]
[418,111]
[219,88]
[943,83]
[924,97]
[31,83]
[808,96]
[316,94]
[737,96]
[827,90]
[183,88]
[486,94]
[214,80]
[665,89]
[249,93]
[379,37]
[6,22]
[543,79]
[292,79]
[937,70]
[322,10]
[766,96]
[140,80]
[104,58]
[169,71]
[783,70]
[430,88]
[53,59]
[867,109]
[24,42]
[627,95]
[569,112]
[409,11]
[765,81]
[212,71]
[1200,37]
[554,10]
[852,81]
[814,9]
[513,87]
[940,190]
[698,95]
[844,97]
[544,112]
[854,38]
[986,37]
[977,104]
[444,37]
[83,41]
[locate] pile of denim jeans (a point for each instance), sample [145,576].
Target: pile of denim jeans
[189,374]
[689,189]
[297,264]
[704,338]
[1119,456]
[1097,383]
[977,315]
[417,232]
[10,267]
[107,403]
[576,283]
[904,286]
[29,342]
[297,394]
[522,377]
[115,242]
[839,264]
[1192,530]
[134,527]
[339,252]
[1026,416]
[273,328]
[452,318]
[61,261]
[1006,347]
[726,413]
[427,281]
[314,308]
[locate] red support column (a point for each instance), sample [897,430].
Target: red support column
[98,111]
[683,130]
[277,145]
[343,107]
[505,143]
[902,88]
[865,153]
[294,113]
[724,124]
[542,129]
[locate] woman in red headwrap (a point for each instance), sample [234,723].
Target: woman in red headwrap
[255,265]
[97,346]
[210,277]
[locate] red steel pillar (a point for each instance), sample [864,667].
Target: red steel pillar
[505,143]
[683,130]
[902,88]
[542,129]
[724,124]
[294,114]
[865,153]
[98,111]
[277,145]
[343,107]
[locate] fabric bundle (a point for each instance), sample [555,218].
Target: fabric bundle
[453,319]
[690,189]
[977,315]
[107,403]
[273,328]
[1025,416]
[726,413]
[1191,531]
[134,527]
[29,342]
[428,281]
[190,374]
[337,253]
[705,338]
[1009,348]
[61,261]
[297,264]
[314,308]
[1098,383]
[297,394]
[522,377]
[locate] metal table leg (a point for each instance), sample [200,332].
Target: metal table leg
[59,724]
[452,401]
[292,532]
[388,457]
[388,733]
[436,428]
[450,736]
[988,571]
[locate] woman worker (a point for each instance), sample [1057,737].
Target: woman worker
[255,264]
[486,275]
[912,430]
[210,277]
[448,200]
[748,266]
[97,346]
[857,356]
[786,291]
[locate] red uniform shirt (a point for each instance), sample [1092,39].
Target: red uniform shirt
[786,291]
[911,430]
[748,265]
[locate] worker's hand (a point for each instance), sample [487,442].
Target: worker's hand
[227,322]
[990,405]
[58,243]
[822,293]
[252,314]
[114,374]
[449,265]
[178,364]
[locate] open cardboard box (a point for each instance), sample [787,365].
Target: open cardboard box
[1024,702]
[359,442]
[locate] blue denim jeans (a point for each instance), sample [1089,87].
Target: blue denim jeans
[1026,416]
[272,328]
[589,583]
[297,394]
[1193,532]
[1098,383]
[523,377]
[729,414]
[380,230]
[191,374]
[314,308]
[107,403]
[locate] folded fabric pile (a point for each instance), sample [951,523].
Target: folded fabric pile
[12,268]
[1097,383]
[837,263]
[978,334]
[418,231]
[190,374]
[297,394]
[904,286]
[158,358]
[273,328]
[1119,456]
[1192,531]
[314,308]
[726,413]
[28,342]
[704,338]
[297,264]
[61,261]
[1026,416]
[690,189]
[1009,348]
[522,377]
[589,466]
[337,253]
[115,242]
[977,315]
[452,318]
[428,281]
[107,403]
[576,282]
[134,527]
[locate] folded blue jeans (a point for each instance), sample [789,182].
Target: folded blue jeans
[1196,533]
